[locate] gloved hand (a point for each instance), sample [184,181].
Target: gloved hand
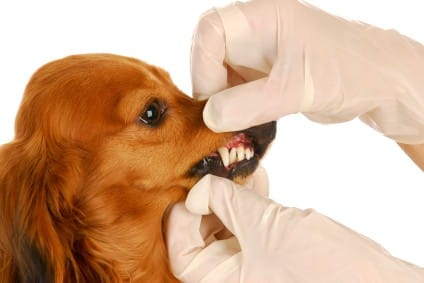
[271,243]
[264,59]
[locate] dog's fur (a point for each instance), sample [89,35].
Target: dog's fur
[84,184]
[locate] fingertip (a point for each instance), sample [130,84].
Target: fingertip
[239,107]
[200,96]
[197,201]
[259,182]
[212,116]
[222,114]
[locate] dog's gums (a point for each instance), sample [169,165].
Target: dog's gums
[240,156]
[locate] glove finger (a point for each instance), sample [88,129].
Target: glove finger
[213,229]
[218,57]
[209,75]
[183,236]
[239,209]
[191,258]
[242,107]
[250,36]
[259,182]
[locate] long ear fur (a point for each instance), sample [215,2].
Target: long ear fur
[36,211]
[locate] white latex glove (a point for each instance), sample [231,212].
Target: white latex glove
[288,57]
[271,243]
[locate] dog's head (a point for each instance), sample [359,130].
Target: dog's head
[103,145]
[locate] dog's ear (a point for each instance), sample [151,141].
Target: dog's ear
[36,196]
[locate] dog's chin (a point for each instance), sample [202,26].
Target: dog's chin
[240,157]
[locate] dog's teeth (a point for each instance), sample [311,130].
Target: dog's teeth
[240,153]
[249,153]
[225,156]
[233,155]
[230,156]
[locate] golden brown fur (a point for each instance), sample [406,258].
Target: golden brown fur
[84,184]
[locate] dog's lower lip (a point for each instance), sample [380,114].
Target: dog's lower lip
[213,165]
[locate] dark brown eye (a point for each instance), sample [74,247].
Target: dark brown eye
[153,113]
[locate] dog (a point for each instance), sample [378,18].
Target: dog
[103,145]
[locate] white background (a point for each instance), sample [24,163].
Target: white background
[346,171]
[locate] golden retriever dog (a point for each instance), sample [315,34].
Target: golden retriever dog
[103,145]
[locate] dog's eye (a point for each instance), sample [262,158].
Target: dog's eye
[153,113]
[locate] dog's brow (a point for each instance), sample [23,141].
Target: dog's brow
[133,103]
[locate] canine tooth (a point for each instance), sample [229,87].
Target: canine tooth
[240,153]
[249,153]
[233,155]
[225,156]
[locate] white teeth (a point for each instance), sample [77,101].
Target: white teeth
[233,155]
[249,153]
[225,156]
[240,153]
